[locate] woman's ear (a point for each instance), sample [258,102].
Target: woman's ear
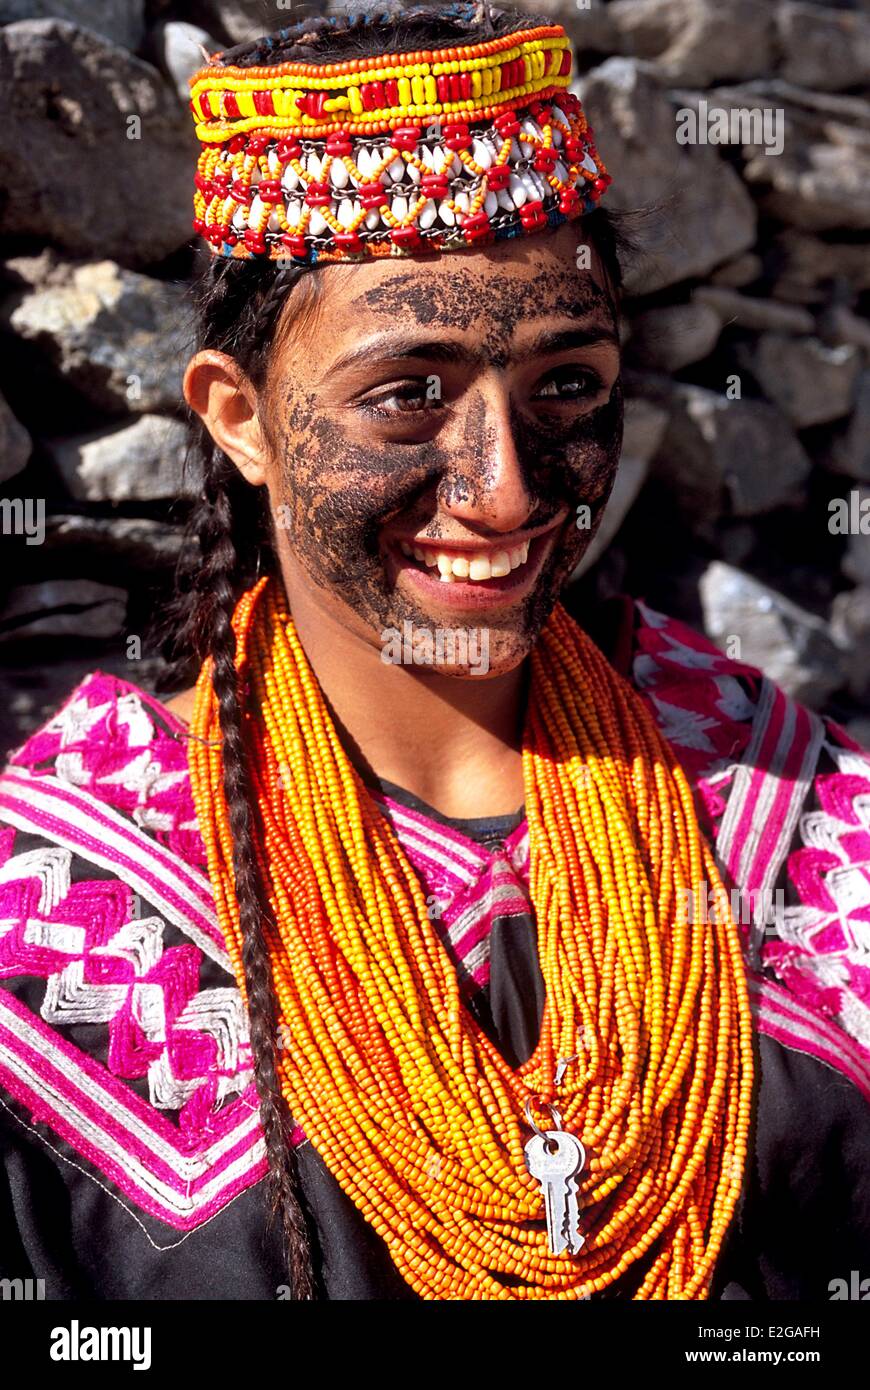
[222,396]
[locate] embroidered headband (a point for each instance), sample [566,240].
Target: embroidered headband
[397,154]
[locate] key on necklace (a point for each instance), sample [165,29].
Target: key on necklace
[555,1159]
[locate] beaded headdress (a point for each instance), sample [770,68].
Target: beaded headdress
[435,150]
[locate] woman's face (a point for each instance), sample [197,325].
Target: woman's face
[457,417]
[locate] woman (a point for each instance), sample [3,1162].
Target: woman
[420,902]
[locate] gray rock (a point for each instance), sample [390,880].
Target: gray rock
[133,541]
[674,335]
[837,325]
[179,50]
[644,426]
[849,451]
[820,179]
[63,608]
[123,24]
[723,457]
[804,267]
[737,273]
[856,561]
[794,648]
[247,19]
[142,462]
[759,315]
[811,383]
[635,128]
[850,628]
[119,338]
[696,41]
[822,47]
[15,443]
[97,156]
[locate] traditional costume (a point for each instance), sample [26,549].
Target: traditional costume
[462,1004]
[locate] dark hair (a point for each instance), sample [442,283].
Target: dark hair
[238,304]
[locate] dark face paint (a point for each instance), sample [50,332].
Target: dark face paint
[342,486]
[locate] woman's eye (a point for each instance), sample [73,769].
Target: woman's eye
[408,399]
[571,384]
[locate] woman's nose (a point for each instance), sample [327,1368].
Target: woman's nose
[486,485]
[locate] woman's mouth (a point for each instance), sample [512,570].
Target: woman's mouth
[474,577]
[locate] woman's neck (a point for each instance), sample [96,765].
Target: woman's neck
[454,742]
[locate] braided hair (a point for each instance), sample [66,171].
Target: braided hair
[239,307]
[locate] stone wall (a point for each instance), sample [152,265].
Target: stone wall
[738,134]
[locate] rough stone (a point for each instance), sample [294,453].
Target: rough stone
[178,47]
[811,383]
[15,443]
[759,315]
[850,628]
[820,179]
[136,542]
[96,152]
[122,24]
[804,267]
[142,462]
[849,450]
[793,647]
[670,337]
[712,450]
[740,272]
[118,337]
[696,41]
[63,608]
[825,48]
[644,426]
[635,128]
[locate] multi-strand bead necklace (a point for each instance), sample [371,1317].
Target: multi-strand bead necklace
[403,1096]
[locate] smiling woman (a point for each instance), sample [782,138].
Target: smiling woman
[418,902]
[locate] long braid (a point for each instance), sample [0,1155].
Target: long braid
[283,1180]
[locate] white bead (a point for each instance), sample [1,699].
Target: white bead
[518,190]
[480,154]
[560,170]
[373,219]
[446,214]
[428,213]
[294,210]
[338,174]
[413,173]
[530,127]
[426,156]
[318,222]
[559,115]
[456,166]
[589,163]
[439,156]
[274,224]
[255,176]
[240,220]
[529,184]
[344,212]
[290,178]
[363,161]
[396,170]
[313,166]
[462,201]
[274,163]
[505,200]
[516,152]
[256,210]
[490,204]
[400,208]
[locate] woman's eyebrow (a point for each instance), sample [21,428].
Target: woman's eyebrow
[397,347]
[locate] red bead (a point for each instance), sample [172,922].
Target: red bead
[231,106]
[338,145]
[506,124]
[269,189]
[348,241]
[544,160]
[237,144]
[434,185]
[255,241]
[371,195]
[532,214]
[409,237]
[295,243]
[241,192]
[263,103]
[405,137]
[391,89]
[476,225]
[288,149]
[318,195]
[569,200]
[497,177]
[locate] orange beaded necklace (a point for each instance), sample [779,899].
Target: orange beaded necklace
[406,1100]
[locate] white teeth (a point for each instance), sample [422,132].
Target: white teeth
[470,567]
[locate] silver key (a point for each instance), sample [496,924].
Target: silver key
[557,1172]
